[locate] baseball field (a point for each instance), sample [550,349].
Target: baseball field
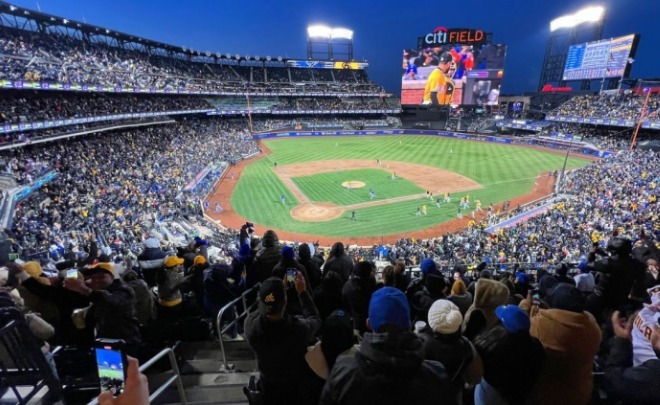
[368,187]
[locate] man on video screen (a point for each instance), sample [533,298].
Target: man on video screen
[439,86]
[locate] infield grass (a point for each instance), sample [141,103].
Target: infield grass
[327,187]
[504,171]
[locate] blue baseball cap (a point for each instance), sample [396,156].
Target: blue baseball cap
[513,318]
[389,306]
[428,266]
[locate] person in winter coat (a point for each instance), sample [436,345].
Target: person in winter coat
[444,343]
[395,276]
[479,272]
[337,339]
[616,276]
[435,287]
[280,341]
[196,280]
[221,286]
[512,360]
[636,385]
[313,270]
[112,309]
[489,294]
[328,296]
[145,307]
[357,294]
[169,280]
[460,296]
[151,260]
[426,268]
[288,262]
[339,262]
[35,303]
[389,368]
[571,338]
[267,257]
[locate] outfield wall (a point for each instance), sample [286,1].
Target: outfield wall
[542,143]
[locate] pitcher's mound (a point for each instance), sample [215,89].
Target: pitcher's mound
[353,184]
[317,212]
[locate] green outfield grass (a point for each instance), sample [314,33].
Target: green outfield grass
[504,171]
[326,187]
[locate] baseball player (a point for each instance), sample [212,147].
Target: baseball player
[439,86]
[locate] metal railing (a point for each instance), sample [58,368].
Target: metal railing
[246,310]
[175,378]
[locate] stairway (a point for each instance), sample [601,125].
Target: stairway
[204,382]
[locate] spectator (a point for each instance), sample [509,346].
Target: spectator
[221,286]
[521,285]
[357,294]
[328,296]
[571,338]
[631,385]
[280,341]
[169,281]
[337,339]
[584,281]
[287,263]
[390,366]
[460,297]
[339,262]
[444,343]
[489,294]
[145,309]
[434,289]
[151,260]
[426,268]
[512,359]
[268,256]
[305,254]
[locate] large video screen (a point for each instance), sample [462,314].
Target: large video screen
[453,75]
[599,59]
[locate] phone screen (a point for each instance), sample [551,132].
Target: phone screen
[291,275]
[110,365]
[72,273]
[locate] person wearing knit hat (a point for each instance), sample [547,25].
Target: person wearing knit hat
[426,268]
[460,296]
[390,367]
[280,340]
[150,260]
[443,342]
[571,338]
[435,287]
[267,256]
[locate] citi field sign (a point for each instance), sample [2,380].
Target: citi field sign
[449,36]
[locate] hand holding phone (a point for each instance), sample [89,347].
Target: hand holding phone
[291,275]
[111,364]
[136,391]
[72,273]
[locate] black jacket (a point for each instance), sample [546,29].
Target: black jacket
[632,385]
[389,369]
[357,295]
[618,274]
[342,265]
[265,261]
[293,307]
[280,346]
[313,272]
[113,313]
[150,260]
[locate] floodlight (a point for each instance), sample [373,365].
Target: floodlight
[237,56]
[268,58]
[319,31]
[279,59]
[228,55]
[342,33]
[257,57]
[247,57]
[587,14]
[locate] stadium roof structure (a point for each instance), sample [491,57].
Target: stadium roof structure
[28,19]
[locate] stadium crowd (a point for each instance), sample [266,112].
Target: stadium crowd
[55,57]
[611,106]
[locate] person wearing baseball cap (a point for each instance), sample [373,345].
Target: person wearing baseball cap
[169,281]
[389,367]
[439,86]
[280,340]
[111,313]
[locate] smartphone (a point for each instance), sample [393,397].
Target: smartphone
[536,297]
[111,364]
[13,256]
[72,273]
[291,275]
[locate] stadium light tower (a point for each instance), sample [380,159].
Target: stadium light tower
[327,43]
[584,25]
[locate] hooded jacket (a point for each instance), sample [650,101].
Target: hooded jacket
[267,257]
[313,270]
[339,262]
[571,340]
[389,369]
[634,385]
[150,260]
[619,273]
[488,295]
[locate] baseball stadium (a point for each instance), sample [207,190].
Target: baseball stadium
[412,209]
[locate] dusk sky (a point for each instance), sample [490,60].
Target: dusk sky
[382,28]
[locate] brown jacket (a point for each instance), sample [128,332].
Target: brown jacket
[571,340]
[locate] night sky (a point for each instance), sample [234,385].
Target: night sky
[382,28]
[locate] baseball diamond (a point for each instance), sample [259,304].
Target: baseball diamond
[402,172]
